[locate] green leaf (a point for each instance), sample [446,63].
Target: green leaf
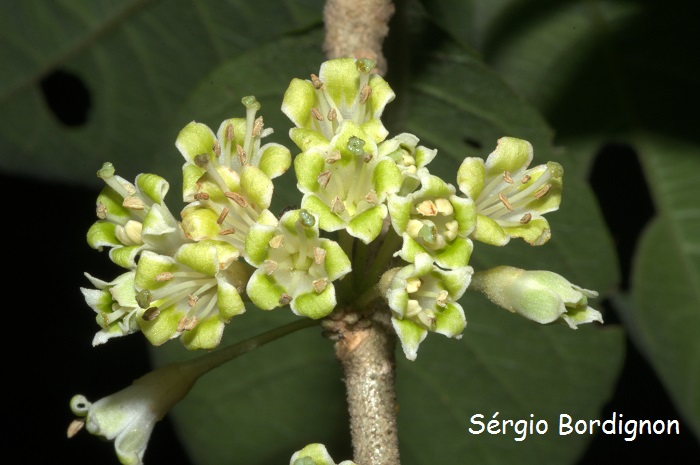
[666,276]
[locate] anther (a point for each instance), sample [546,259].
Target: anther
[337,205]
[332,115]
[238,198]
[144,298]
[542,191]
[133,203]
[444,206]
[227,231]
[525,179]
[192,300]
[365,93]
[201,160]
[201,196]
[324,178]
[150,314]
[242,156]
[285,299]
[526,218]
[258,126]
[368,157]
[101,211]
[316,82]
[164,276]
[319,255]
[320,285]
[441,298]
[333,157]
[427,208]
[507,178]
[316,113]
[75,427]
[505,201]
[228,132]
[222,216]
[413,284]
[371,197]
[277,241]
[190,323]
[216,148]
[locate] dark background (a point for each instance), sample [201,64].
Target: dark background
[50,327]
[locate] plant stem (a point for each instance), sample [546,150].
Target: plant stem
[357,28]
[366,354]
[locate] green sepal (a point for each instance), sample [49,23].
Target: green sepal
[151,265]
[101,234]
[297,102]
[125,256]
[263,291]
[386,178]
[161,329]
[307,139]
[450,321]
[199,222]
[367,225]
[471,176]
[195,139]
[206,334]
[489,232]
[410,335]
[207,256]
[154,186]
[275,160]
[307,166]
[327,220]
[257,242]
[337,263]
[315,305]
[257,185]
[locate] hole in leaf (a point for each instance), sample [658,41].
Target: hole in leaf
[618,182]
[67,97]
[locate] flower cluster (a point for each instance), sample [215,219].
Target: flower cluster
[369,204]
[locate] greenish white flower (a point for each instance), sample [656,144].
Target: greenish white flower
[315,454]
[295,265]
[510,198]
[344,90]
[541,296]
[435,221]
[423,298]
[345,182]
[411,158]
[129,416]
[115,305]
[192,294]
[133,218]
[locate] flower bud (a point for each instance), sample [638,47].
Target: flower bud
[541,296]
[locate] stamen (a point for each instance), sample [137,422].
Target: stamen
[242,156]
[365,93]
[337,205]
[526,218]
[316,82]
[222,216]
[75,427]
[192,300]
[444,206]
[270,266]
[258,126]
[319,255]
[201,160]
[227,231]
[441,298]
[320,285]
[332,115]
[201,196]
[413,284]
[507,178]
[236,197]
[324,178]
[216,148]
[101,211]
[144,298]
[368,157]
[164,276]
[228,132]
[316,114]
[427,208]
[371,197]
[505,202]
[525,179]
[151,314]
[333,157]
[277,241]
[542,191]
[133,203]
[190,323]
[285,299]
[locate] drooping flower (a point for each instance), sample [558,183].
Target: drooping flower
[295,265]
[129,416]
[510,198]
[315,454]
[423,298]
[346,183]
[344,90]
[435,221]
[541,296]
[132,218]
[115,305]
